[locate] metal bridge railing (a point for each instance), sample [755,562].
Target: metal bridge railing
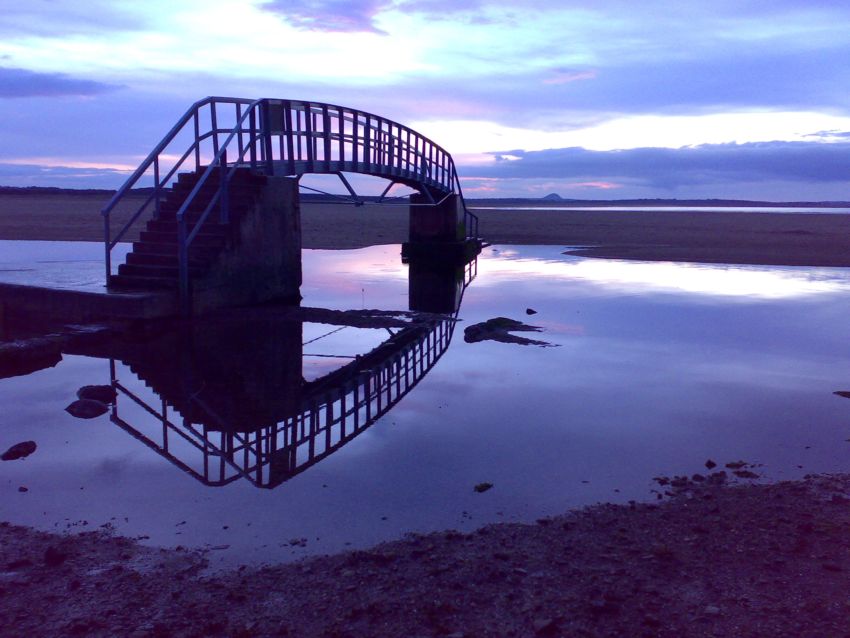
[275,453]
[280,137]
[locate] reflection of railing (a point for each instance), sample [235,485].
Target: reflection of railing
[329,417]
[281,137]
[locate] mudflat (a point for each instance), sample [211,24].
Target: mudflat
[794,239]
[757,560]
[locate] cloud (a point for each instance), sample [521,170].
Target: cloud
[49,18]
[21,83]
[60,176]
[565,76]
[330,15]
[670,169]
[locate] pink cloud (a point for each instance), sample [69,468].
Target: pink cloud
[600,185]
[565,77]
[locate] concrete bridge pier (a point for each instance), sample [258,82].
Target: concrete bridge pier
[438,231]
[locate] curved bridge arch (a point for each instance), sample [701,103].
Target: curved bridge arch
[313,137]
[219,136]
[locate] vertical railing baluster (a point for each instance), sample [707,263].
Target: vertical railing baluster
[267,149]
[252,126]
[107,245]
[326,136]
[355,137]
[290,151]
[407,150]
[314,138]
[308,131]
[391,140]
[197,141]
[214,123]
[367,146]
[340,114]
[368,392]
[400,155]
[156,187]
[240,143]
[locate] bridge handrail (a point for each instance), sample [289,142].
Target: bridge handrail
[154,160]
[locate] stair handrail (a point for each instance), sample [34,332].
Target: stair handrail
[192,115]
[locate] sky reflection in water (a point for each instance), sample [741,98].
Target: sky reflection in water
[659,367]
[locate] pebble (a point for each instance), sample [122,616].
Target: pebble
[54,557]
[86,408]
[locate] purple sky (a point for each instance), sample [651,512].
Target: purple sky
[603,99]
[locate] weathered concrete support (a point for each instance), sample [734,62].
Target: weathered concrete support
[438,232]
[431,223]
[263,261]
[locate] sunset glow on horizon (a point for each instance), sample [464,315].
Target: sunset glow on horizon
[731,100]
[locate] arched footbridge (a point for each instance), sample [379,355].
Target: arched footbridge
[218,146]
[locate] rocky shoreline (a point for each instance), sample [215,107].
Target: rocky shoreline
[712,560]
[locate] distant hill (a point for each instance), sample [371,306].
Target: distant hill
[612,203]
[551,198]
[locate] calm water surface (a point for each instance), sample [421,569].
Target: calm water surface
[657,368]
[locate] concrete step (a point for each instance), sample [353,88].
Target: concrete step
[210,241]
[170,226]
[154,259]
[132,282]
[168,211]
[144,270]
[170,248]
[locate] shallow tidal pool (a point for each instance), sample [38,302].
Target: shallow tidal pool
[656,368]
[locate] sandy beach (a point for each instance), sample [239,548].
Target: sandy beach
[718,555]
[712,237]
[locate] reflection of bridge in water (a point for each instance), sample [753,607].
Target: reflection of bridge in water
[247,412]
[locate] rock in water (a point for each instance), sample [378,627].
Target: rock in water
[530,311]
[86,408]
[499,329]
[19,451]
[102,393]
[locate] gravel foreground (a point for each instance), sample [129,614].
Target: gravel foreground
[713,560]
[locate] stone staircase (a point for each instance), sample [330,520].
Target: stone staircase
[153,262]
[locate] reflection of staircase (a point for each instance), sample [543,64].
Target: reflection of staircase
[153,262]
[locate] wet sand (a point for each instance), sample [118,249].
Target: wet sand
[713,237]
[713,561]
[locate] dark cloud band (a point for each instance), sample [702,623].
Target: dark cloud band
[668,168]
[18,83]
